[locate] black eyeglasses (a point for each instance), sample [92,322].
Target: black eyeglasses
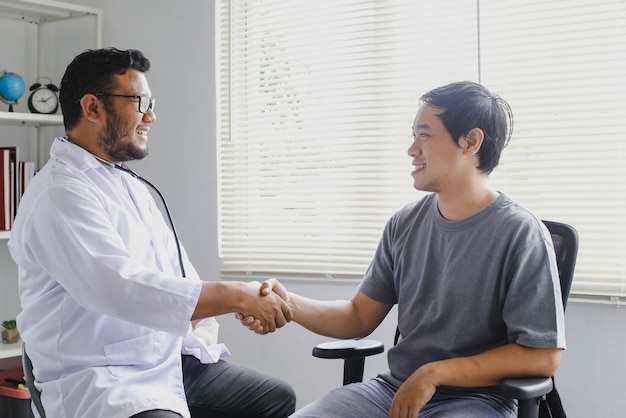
[145,103]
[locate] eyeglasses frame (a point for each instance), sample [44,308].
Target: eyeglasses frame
[151,100]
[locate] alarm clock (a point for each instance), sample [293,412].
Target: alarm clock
[43,98]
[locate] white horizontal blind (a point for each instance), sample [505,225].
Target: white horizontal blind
[316,109]
[562,67]
[317,114]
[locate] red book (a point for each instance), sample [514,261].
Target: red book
[5,189]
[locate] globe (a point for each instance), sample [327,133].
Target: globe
[12,87]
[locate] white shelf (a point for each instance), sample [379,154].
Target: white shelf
[30,119]
[10,350]
[5,234]
[42,11]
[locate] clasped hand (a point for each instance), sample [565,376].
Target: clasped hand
[270,288]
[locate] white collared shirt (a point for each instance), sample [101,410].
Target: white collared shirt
[105,312]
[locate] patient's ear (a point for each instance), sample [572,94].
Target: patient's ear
[473,140]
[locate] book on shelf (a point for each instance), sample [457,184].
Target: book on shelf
[5,189]
[14,178]
[14,154]
[25,173]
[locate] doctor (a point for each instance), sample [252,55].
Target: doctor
[107,306]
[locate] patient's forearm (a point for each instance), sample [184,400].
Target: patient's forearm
[489,368]
[344,319]
[336,319]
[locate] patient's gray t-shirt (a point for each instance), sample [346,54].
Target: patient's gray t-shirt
[465,287]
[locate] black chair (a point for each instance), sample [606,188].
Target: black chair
[537,397]
[35,396]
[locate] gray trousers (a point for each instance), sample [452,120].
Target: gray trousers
[372,399]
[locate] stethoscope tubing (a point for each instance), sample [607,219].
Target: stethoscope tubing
[167,211]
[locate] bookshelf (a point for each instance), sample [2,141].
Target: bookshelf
[44,36]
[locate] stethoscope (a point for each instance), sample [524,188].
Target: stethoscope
[153,187]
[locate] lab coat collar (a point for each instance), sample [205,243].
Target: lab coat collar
[70,154]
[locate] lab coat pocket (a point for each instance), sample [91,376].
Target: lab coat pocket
[142,353]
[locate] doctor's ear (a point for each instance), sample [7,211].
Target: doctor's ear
[91,107]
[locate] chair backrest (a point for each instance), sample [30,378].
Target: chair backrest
[30,382]
[565,239]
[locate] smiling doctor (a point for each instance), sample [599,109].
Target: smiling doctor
[108,294]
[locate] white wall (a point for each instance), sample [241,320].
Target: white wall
[179,37]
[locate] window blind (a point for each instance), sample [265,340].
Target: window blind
[317,101]
[562,67]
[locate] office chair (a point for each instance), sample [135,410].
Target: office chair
[35,395]
[537,397]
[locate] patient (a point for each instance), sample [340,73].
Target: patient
[472,272]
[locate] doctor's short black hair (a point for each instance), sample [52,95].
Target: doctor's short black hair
[92,71]
[467,105]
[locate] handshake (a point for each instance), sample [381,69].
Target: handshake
[268,310]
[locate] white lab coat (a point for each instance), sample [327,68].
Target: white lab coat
[105,312]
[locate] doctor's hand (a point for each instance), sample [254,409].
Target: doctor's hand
[269,312]
[268,287]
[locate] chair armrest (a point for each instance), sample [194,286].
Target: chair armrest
[348,349]
[353,352]
[526,388]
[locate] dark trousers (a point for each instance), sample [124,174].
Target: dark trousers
[226,390]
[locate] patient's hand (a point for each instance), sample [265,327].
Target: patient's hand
[254,324]
[273,285]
